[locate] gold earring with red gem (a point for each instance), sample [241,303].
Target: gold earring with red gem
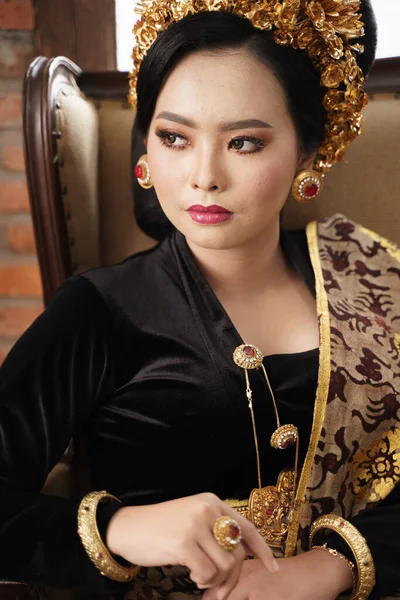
[142,173]
[307,186]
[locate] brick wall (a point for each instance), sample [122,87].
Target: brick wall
[20,287]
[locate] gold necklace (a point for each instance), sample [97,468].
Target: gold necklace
[269,508]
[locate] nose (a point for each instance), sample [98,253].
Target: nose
[207,173]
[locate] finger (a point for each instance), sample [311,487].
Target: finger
[260,549]
[202,569]
[240,592]
[223,591]
[211,594]
[254,542]
[226,561]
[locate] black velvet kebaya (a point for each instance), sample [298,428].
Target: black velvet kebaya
[137,359]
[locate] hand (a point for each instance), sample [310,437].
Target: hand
[315,574]
[180,532]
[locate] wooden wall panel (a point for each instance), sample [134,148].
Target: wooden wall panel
[95,33]
[55,28]
[82,30]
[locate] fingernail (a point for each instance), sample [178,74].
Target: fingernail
[275,566]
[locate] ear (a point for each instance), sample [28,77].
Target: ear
[306,162]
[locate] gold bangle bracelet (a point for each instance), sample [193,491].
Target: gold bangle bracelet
[359,548]
[92,542]
[344,558]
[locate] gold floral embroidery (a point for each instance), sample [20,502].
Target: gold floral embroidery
[376,469]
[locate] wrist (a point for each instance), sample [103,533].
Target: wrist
[333,570]
[116,531]
[92,542]
[365,575]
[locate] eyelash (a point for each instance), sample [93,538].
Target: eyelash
[162,134]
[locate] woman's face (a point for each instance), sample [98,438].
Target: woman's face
[221,137]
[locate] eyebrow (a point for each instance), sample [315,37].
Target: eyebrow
[229,126]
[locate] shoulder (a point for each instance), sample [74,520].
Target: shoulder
[139,277]
[74,323]
[76,291]
[355,236]
[76,307]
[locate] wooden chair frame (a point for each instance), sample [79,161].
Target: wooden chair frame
[45,79]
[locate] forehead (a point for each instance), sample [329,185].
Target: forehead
[224,85]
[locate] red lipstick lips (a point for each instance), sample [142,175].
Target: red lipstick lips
[209,215]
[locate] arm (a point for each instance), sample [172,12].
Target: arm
[49,385]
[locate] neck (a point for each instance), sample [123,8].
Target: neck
[243,270]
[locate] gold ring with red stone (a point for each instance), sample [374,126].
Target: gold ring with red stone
[227,533]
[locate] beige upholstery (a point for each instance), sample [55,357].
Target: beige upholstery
[78,153]
[120,236]
[95,152]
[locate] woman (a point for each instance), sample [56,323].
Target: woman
[137,357]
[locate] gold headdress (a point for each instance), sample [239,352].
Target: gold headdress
[324,29]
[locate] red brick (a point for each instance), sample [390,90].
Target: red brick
[14,320]
[10,107]
[3,237]
[14,197]
[13,158]
[20,280]
[16,53]
[16,14]
[4,350]
[20,238]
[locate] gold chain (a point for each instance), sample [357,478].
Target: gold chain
[249,395]
[272,395]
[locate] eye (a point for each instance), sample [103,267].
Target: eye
[171,139]
[246,144]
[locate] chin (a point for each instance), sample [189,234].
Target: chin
[212,237]
[211,242]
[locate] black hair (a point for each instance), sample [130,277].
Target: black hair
[217,31]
